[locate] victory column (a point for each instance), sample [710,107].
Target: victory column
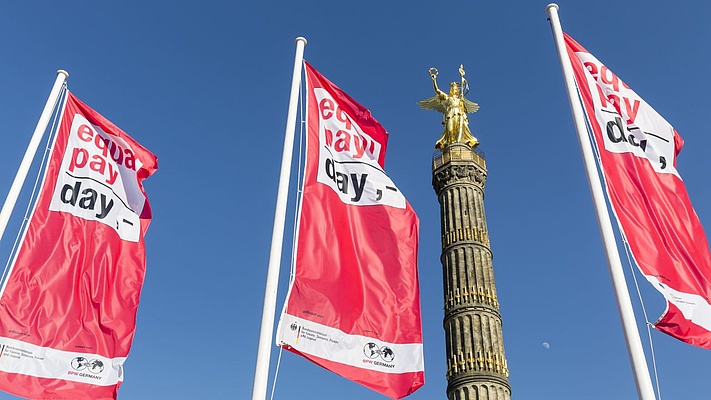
[476,362]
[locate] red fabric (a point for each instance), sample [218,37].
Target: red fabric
[653,208]
[395,386]
[75,284]
[356,265]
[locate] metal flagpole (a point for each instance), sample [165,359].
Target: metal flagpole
[261,373]
[14,193]
[624,305]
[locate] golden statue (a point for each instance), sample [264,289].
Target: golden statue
[455,109]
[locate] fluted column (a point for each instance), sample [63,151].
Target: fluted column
[476,362]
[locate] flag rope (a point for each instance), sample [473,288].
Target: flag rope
[30,203]
[630,264]
[297,201]
[276,373]
[299,177]
[644,312]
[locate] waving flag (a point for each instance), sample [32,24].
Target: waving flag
[353,306]
[638,151]
[68,307]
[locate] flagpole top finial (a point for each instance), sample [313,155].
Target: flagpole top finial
[63,72]
[551,5]
[301,39]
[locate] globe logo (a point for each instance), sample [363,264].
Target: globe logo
[93,366]
[79,363]
[372,351]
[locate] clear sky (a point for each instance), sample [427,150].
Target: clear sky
[205,86]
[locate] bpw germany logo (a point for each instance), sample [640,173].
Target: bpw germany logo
[372,350]
[97,180]
[93,366]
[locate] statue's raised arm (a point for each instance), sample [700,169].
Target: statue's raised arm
[436,102]
[455,108]
[433,75]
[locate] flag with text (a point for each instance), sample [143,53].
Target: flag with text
[353,305]
[68,307]
[638,151]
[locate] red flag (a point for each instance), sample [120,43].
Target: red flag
[638,151]
[353,306]
[68,309]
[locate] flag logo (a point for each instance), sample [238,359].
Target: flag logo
[97,180]
[94,366]
[371,350]
[349,158]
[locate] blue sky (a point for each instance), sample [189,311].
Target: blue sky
[205,87]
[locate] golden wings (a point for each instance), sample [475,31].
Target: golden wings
[436,103]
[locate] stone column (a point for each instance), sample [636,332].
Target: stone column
[476,362]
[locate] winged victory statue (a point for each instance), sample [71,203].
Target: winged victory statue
[455,109]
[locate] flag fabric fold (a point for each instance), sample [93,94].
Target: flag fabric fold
[638,151]
[353,305]
[68,307]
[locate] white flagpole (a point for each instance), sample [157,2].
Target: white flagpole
[261,373]
[24,168]
[624,305]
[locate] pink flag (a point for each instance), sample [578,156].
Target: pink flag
[638,151]
[68,309]
[353,306]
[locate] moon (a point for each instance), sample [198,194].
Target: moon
[546,345]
